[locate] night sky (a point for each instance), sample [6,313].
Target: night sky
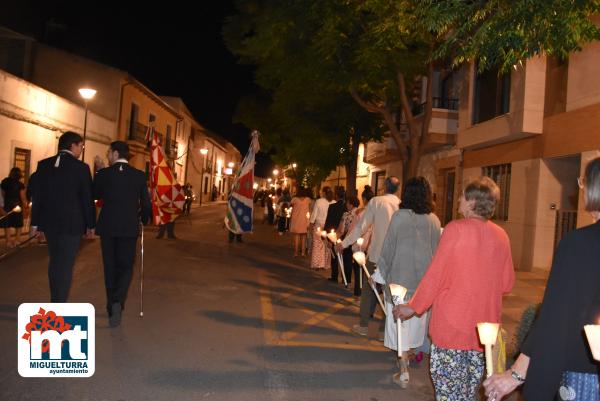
[172,48]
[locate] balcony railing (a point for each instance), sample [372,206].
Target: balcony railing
[438,103]
[138,132]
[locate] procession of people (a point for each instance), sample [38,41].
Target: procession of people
[452,278]
[455,277]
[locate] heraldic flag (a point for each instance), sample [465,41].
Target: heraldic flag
[167,195]
[240,201]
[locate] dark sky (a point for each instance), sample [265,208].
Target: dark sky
[171,47]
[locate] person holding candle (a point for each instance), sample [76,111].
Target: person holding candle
[348,218]
[555,357]
[408,248]
[299,224]
[471,270]
[332,222]
[319,254]
[13,193]
[363,243]
[377,217]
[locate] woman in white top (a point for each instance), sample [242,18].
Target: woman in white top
[320,252]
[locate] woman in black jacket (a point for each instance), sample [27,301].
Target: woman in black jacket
[555,358]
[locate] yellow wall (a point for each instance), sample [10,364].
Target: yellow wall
[147,106]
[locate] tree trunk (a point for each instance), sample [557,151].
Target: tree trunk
[351,164]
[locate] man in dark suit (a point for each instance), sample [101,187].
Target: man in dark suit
[63,210]
[125,202]
[332,222]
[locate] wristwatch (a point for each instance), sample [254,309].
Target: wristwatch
[517,377]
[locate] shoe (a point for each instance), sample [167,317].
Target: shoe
[115,316]
[401,379]
[381,336]
[360,330]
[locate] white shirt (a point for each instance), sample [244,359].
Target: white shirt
[378,215]
[319,212]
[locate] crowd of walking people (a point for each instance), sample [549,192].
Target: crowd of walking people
[455,277]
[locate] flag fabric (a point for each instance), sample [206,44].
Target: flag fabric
[167,195]
[240,205]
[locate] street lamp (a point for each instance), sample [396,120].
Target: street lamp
[87,94]
[203,153]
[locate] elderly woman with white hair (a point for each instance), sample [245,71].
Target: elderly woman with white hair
[555,358]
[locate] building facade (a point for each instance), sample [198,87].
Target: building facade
[32,119]
[534,145]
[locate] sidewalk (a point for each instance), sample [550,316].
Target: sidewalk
[528,289]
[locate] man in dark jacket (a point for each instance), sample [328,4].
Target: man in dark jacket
[125,201]
[332,222]
[63,210]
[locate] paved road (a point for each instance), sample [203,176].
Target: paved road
[221,322]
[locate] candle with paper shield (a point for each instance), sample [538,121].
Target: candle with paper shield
[341,263]
[361,259]
[398,293]
[592,332]
[488,332]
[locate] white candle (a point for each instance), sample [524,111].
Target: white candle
[592,332]
[360,243]
[361,259]
[398,293]
[488,332]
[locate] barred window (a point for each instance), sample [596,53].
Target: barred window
[501,175]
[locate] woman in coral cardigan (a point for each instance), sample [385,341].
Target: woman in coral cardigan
[470,271]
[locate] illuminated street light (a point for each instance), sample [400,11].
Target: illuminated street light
[87,94]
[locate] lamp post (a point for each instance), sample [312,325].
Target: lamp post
[203,153]
[87,94]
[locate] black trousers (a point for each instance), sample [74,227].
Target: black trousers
[238,237]
[169,227]
[118,254]
[62,249]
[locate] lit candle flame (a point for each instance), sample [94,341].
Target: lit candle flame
[17,209]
